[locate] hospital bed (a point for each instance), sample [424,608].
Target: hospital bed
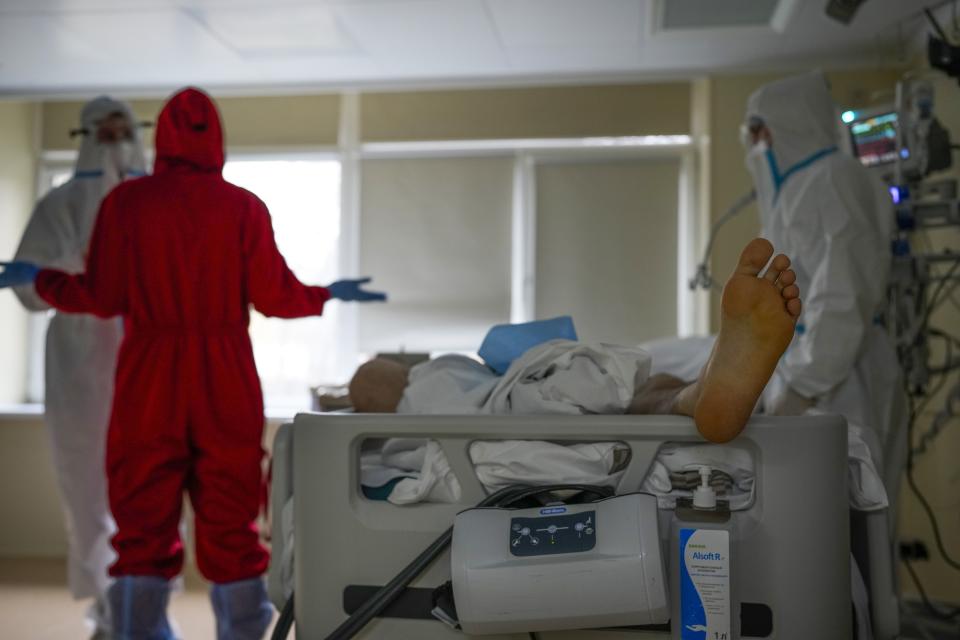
[792,545]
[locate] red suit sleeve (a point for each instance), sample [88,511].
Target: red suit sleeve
[273,288]
[100,290]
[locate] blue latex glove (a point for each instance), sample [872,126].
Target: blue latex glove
[350,291]
[16,274]
[505,343]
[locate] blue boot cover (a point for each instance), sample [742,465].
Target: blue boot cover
[242,608]
[138,608]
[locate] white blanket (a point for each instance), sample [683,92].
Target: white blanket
[559,376]
[427,476]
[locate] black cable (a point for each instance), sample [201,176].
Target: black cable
[934,302]
[936,25]
[952,616]
[534,636]
[931,395]
[920,497]
[284,622]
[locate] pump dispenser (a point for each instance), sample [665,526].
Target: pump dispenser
[704,497]
[701,567]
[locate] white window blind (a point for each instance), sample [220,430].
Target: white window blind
[607,247]
[435,234]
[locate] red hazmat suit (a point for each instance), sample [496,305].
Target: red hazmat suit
[181,255]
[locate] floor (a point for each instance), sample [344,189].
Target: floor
[35,604]
[917,623]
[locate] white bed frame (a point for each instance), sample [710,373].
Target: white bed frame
[792,554]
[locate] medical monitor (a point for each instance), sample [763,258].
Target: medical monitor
[873,139]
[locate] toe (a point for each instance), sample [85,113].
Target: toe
[786,278]
[777,266]
[754,256]
[790,292]
[794,306]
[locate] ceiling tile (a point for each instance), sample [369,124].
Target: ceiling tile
[425,36]
[261,30]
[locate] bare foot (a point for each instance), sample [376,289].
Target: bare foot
[758,316]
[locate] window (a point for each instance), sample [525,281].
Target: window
[303,196]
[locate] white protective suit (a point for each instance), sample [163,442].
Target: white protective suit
[81,350]
[819,206]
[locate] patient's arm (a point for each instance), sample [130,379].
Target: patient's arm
[758,315]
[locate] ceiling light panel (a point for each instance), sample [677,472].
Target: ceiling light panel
[566,23]
[676,15]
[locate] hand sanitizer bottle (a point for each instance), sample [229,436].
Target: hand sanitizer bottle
[703,606]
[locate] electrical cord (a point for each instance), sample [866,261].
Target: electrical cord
[919,494]
[703,277]
[934,299]
[940,421]
[952,615]
[285,621]
[936,25]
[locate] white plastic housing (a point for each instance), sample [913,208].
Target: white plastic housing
[621,581]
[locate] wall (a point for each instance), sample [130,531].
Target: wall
[537,112]
[33,521]
[270,121]
[33,524]
[17,180]
[607,110]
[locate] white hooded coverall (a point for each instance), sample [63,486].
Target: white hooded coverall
[81,350]
[834,219]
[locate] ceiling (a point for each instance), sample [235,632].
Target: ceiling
[64,47]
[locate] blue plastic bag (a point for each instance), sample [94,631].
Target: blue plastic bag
[505,343]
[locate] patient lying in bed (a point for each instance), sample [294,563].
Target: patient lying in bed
[760,306]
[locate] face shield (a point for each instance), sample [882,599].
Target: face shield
[760,163]
[750,131]
[111,144]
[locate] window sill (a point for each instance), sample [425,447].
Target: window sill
[21,411]
[33,410]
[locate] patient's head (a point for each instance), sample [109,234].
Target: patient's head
[378,386]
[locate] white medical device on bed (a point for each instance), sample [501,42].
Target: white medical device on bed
[551,567]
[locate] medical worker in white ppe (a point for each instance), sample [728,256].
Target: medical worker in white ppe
[81,350]
[834,219]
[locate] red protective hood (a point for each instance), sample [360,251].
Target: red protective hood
[189,134]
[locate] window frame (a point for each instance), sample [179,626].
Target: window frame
[692,309]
